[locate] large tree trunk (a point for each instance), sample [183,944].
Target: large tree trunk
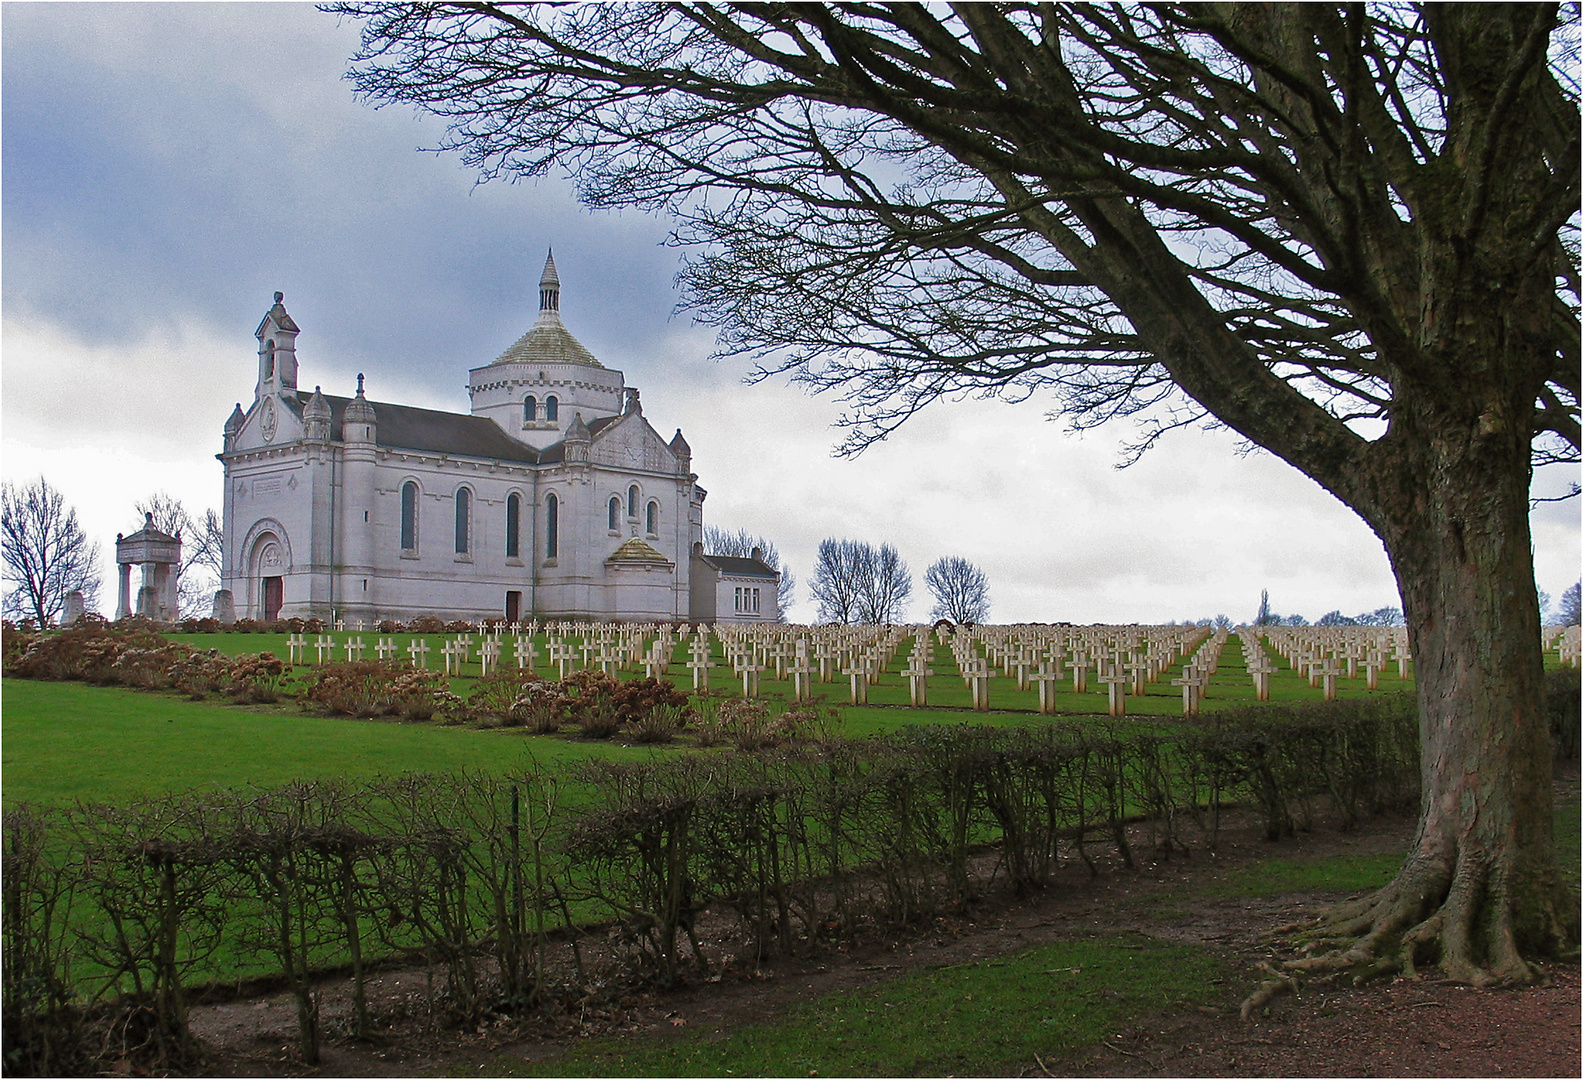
[1479,889]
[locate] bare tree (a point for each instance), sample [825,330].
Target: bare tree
[202,545]
[837,579]
[1265,616]
[1571,610]
[960,590]
[1349,233]
[884,585]
[741,544]
[47,556]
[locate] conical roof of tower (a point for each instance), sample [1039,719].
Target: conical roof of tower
[548,341]
[317,407]
[358,410]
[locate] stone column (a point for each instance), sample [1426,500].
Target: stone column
[123,606]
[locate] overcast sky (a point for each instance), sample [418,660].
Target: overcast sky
[166,168]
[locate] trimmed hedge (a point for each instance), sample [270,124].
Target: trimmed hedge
[473,872]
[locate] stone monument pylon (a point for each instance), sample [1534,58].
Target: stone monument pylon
[159,554]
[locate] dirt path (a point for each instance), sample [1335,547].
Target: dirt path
[1398,1028]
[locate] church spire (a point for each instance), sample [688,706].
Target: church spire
[550,286]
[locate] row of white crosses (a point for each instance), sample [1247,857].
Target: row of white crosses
[1260,667]
[1125,659]
[1567,641]
[1326,654]
[1196,672]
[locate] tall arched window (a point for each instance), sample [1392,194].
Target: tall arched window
[552,408]
[652,519]
[552,526]
[464,519]
[409,516]
[632,501]
[513,525]
[615,513]
[530,409]
[269,360]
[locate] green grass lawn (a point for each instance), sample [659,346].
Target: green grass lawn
[969,1019]
[67,741]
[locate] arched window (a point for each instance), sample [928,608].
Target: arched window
[552,526]
[513,525]
[269,360]
[615,513]
[409,516]
[530,409]
[464,517]
[652,519]
[632,501]
[552,408]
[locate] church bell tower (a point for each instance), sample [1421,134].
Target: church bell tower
[277,352]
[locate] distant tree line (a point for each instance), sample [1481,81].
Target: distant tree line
[1385,616]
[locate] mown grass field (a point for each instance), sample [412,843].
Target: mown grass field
[66,741]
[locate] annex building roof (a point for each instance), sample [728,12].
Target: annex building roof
[737,566]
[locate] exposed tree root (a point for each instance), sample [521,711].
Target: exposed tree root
[1272,988]
[1463,920]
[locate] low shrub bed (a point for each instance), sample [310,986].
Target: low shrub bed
[94,651]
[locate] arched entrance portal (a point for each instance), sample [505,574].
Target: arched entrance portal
[268,577]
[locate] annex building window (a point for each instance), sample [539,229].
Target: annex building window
[513,525]
[552,526]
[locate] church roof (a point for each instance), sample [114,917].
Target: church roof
[405,427]
[740,567]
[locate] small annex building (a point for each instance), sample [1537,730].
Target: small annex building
[553,499]
[727,588]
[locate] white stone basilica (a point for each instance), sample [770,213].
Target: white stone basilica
[553,499]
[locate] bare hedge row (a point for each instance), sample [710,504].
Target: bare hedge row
[112,914]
